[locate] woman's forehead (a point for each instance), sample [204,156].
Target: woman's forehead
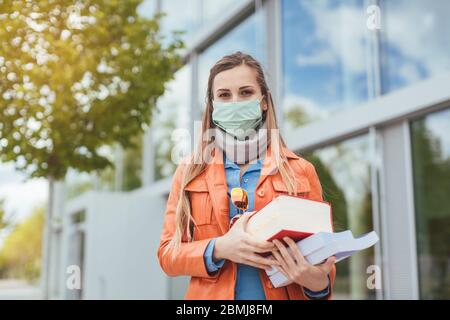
[235,78]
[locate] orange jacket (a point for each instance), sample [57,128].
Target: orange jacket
[210,209]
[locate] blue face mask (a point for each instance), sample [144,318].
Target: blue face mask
[237,118]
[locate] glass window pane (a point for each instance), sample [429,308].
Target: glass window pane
[181,15]
[415,41]
[431,163]
[213,9]
[324,58]
[344,173]
[173,112]
[243,38]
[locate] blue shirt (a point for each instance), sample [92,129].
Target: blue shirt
[248,284]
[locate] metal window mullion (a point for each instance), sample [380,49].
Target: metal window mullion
[195,110]
[374,182]
[373,87]
[410,205]
[274,55]
[384,237]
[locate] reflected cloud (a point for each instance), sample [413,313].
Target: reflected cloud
[416,41]
[338,35]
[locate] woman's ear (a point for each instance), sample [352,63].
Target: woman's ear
[264,103]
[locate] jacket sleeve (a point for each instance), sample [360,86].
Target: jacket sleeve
[316,194]
[189,259]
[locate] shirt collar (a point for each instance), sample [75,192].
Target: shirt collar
[257,165]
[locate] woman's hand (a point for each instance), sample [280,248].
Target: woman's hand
[240,247]
[300,271]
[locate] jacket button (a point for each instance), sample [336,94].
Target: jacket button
[261,193]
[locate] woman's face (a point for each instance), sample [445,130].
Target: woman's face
[237,84]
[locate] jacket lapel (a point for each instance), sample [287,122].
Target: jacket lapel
[217,184]
[270,167]
[217,187]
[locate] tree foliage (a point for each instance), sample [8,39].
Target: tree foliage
[20,254]
[74,76]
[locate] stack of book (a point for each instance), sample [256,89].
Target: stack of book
[309,224]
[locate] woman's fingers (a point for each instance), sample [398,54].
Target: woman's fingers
[257,249]
[257,261]
[284,272]
[254,264]
[328,264]
[283,266]
[261,260]
[285,254]
[261,246]
[295,250]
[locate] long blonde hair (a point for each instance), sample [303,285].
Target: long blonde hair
[196,164]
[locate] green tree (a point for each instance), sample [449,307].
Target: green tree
[20,255]
[74,76]
[133,165]
[432,185]
[5,220]
[297,116]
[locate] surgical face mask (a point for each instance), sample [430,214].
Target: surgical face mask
[237,118]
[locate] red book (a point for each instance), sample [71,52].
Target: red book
[291,216]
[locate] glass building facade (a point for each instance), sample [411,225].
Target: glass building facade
[369,107]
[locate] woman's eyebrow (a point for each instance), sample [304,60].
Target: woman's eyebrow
[243,87]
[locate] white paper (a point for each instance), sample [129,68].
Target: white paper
[322,245]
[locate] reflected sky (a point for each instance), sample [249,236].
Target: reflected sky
[325,52]
[415,41]
[324,56]
[189,16]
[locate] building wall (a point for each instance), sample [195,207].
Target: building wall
[114,241]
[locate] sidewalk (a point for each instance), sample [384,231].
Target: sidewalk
[16,289]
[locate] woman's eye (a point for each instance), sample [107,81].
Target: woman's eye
[246,93]
[223,95]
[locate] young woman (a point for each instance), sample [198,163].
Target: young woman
[244,150]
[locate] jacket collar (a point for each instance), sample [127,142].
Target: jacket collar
[217,185]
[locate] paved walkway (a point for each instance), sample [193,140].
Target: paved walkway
[11,289]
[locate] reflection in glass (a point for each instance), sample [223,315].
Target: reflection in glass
[181,15]
[415,41]
[242,38]
[344,173]
[431,163]
[212,10]
[173,112]
[324,58]
[189,16]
